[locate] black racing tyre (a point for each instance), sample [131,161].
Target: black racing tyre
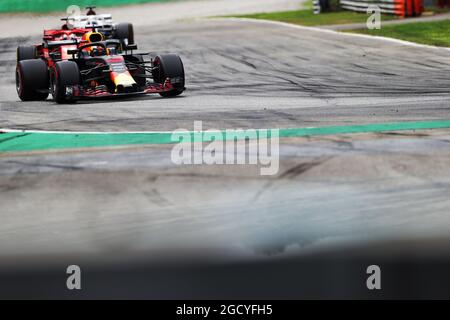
[26,53]
[138,74]
[66,74]
[125,31]
[32,80]
[169,66]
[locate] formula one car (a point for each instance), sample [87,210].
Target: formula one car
[102,23]
[75,64]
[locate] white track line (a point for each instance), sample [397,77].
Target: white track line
[345,34]
[132,132]
[5,130]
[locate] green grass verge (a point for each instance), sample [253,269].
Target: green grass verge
[306,17]
[434,33]
[60,5]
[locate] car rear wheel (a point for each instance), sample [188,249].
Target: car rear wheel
[26,53]
[125,31]
[169,66]
[65,76]
[32,80]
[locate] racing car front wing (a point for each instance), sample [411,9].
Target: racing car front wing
[102,91]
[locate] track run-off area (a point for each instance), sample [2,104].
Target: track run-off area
[364,147]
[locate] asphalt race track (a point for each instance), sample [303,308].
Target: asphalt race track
[240,74]
[257,75]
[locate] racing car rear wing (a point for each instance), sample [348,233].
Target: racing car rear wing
[52,44]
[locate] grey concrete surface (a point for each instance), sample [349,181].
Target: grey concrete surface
[329,191]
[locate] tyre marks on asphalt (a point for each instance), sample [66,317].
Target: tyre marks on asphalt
[257,75]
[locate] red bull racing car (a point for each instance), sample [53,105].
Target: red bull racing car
[73,64]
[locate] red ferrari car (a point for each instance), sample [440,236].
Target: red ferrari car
[72,64]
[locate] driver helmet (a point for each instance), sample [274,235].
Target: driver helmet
[97,51]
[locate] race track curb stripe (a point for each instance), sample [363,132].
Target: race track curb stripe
[15,141]
[7,6]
